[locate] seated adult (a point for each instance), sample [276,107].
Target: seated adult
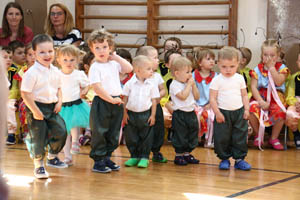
[13,27]
[60,25]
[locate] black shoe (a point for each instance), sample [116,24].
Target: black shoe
[158,157]
[191,159]
[297,141]
[11,139]
[101,167]
[113,166]
[56,163]
[41,173]
[179,160]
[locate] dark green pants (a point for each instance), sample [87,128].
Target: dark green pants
[159,130]
[105,122]
[49,132]
[185,131]
[138,134]
[230,137]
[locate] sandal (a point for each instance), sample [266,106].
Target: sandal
[75,148]
[68,161]
[256,141]
[276,144]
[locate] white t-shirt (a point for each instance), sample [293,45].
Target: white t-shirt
[140,94]
[42,82]
[229,91]
[71,84]
[157,79]
[107,74]
[188,104]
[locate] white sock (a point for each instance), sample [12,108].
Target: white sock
[38,163]
[51,156]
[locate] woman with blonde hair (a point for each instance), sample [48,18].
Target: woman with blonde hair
[60,26]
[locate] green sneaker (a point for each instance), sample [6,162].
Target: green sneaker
[143,163]
[132,162]
[158,157]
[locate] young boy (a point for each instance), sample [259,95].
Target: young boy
[19,60]
[230,103]
[159,129]
[140,98]
[184,92]
[41,93]
[107,109]
[7,60]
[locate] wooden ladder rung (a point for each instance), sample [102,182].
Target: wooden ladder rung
[191,17]
[208,32]
[113,17]
[116,3]
[188,3]
[119,31]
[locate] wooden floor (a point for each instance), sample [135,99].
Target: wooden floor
[275,175]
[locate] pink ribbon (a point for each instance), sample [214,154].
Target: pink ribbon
[210,123]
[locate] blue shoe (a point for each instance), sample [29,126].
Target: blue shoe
[100,166]
[55,162]
[113,166]
[40,173]
[11,139]
[224,165]
[242,165]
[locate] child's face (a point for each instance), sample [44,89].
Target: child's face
[269,54]
[184,74]
[171,58]
[68,63]
[30,58]
[153,55]
[228,67]
[298,61]
[44,53]
[144,71]
[101,51]
[7,56]
[207,63]
[19,56]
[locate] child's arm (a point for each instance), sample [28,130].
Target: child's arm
[126,67]
[29,101]
[99,90]
[278,78]
[195,91]
[151,119]
[186,92]
[125,116]
[169,105]
[213,94]
[162,91]
[84,91]
[262,103]
[59,102]
[245,100]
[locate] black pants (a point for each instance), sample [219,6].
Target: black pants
[230,137]
[105,122]
[49,132]
[159,130]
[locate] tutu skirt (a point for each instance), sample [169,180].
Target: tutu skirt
[75,114]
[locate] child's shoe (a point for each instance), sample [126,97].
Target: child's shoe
[191,159]
[40,172]
[256,141]
[113,166]
[75,148]
[101,167]
[132,162]
[143,163]
[68,161]
[179,160]
[224,165]
[158,157]
[276,144]
[297,141]
[55,162]
[84,140]
[242,165]
[11,139]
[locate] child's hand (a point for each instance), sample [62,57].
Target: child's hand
[270,63]
[83,94]
[125,118]
[191,81]
[264,105]
[38,115]
[207,107]
[117,100]
[220,118]
[246,114]
[112,56]
[151,120]
[57,107]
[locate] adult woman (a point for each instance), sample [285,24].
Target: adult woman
[60,25]
[13,27]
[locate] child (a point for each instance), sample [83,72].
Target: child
[41,92]
[140,94]
[268,88]
[19,59]
[74,111]
[184,92]
[159,130]
[292,99]
[107,109]
[229,101]
[126,55]
[7,60]
[244,69]
[204,60]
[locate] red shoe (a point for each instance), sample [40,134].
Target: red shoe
[256,141]
[276,144]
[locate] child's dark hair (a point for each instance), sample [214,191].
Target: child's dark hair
[16,44]
[40,38]
[177,40]
[86,60]
[28,46]
[246,53]
[6,48]
[124,54]
[169,53]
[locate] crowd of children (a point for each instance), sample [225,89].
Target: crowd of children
[100,95]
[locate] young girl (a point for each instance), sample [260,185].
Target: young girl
[74,111]
[204,61]
[292,99]
[268,87]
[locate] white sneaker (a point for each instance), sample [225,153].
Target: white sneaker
[41,173]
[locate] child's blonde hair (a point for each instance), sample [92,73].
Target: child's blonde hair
[139,61]
[229,53]
[199,53]
[246,53]
[271,43]
[69,50]
[144,50]
[99,36]
[179,63]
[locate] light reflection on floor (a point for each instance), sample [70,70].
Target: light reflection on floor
[22,181]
